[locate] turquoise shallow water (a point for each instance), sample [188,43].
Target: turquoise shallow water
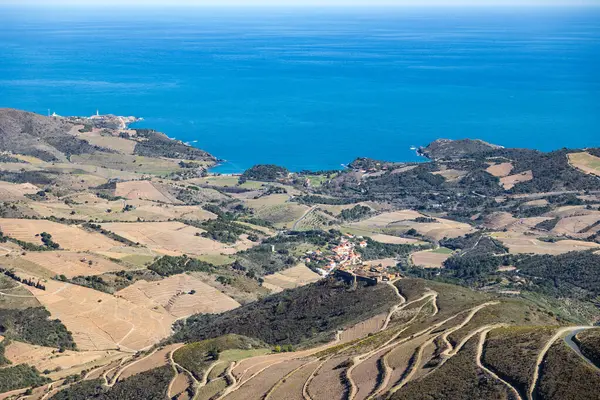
[312,89]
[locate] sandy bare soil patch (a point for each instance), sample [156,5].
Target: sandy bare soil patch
[48,358]
[16,192]
[173,238]
[67,236]
[327,385]
[521,244]
[500,170]
[157,359]
[430,259]
[144,190]
[181,295]
[585,162]
[451,175]
[73,264]
[510,181]
[100,321]
[293,277]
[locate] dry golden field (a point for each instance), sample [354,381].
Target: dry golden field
[48,358]
[580,226]
[92,207]
[401,221]
[172,238]
[585,162]
[430,258]
[116,143]
[15,192]
[536,203]
[451,175]
[143,190]
[500,170]
[100,321]
[174,294]
[380,237]
[508,182]
[291,278]
[499,220]
[518,243]
[73,264]
[69,237]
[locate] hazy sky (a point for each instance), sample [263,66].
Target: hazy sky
[214,3]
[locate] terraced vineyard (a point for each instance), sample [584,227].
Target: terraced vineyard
[428,344]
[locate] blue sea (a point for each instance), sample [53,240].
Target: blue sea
[314,88]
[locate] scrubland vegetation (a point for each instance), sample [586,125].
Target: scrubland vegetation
[20,376]
[310,313]
[32,325]
[138,234]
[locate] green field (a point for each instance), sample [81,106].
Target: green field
[216,259]
[442,250]
[227,356]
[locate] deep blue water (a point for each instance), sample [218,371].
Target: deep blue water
[312,89]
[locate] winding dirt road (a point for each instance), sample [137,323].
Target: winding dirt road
[542,355]
[480,345]
[417,361]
